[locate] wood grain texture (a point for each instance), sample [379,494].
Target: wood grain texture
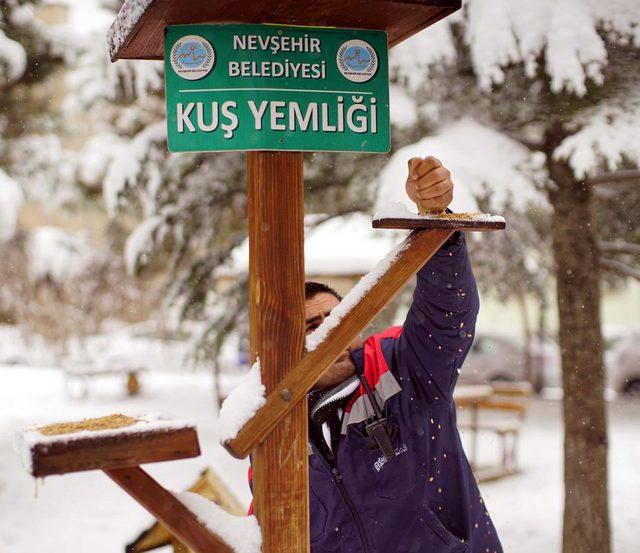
[440,223]
[123,450]
[276,310]
[164,506]
[419,247]
[399,18]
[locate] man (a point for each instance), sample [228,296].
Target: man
[386,466]
[424,499]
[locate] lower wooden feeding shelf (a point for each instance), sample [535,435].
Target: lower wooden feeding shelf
[106,442]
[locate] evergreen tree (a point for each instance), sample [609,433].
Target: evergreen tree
[559,77]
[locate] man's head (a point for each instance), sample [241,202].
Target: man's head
[320,299]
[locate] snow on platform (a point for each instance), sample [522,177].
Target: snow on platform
[398,210]
[37,443]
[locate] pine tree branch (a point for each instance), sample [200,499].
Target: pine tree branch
[620,268]
[615,177]
[619,246]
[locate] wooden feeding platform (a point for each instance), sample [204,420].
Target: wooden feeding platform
[107,442]
[118,444]
[453,221]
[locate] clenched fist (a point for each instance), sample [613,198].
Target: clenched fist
[429,185]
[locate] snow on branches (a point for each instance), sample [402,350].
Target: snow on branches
[566,34]
[13,59]
[10,202]
[126,168]
[57,255]
[608,137]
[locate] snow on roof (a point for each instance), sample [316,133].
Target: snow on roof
[126,20]
[242,534]
[340,246]
[10,201]
[242,404]
[476,155]
[56,254]
[27,439]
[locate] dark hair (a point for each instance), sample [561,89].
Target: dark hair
[312,288]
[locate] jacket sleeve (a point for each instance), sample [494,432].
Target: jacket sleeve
[440,325]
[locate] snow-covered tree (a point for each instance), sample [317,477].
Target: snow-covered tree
[560,78]
[21,48]
[46,287]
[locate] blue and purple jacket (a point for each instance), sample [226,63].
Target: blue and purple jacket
[425,499]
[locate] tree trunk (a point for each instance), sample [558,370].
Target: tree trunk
[586,513]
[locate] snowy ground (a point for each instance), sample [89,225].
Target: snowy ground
[87,513]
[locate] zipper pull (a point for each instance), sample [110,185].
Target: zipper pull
[336,475]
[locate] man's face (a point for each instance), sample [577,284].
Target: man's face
[316,310]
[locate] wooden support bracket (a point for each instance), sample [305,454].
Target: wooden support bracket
[418,248]
[422,243]
[164,506]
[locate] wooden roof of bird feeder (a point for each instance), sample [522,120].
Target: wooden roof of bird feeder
[138,31]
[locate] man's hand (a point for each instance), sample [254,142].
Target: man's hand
[429,185]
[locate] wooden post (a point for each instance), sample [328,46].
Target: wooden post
[276,310]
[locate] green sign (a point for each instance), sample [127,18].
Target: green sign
[276,87]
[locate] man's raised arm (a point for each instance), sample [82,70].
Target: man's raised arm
[440,325]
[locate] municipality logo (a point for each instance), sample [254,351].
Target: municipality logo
[192,57]
[357,61]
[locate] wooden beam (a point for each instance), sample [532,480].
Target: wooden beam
[139,34]
[276,311]
[285,395]
[208,485]
[113,451]
[165,507]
